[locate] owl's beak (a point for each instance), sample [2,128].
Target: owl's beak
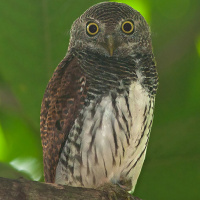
[109,44]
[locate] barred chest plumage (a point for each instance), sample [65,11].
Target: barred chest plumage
[108,140]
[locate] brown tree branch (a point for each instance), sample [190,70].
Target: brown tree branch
[22,189]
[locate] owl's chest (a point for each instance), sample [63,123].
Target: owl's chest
[108,133]
[114,125]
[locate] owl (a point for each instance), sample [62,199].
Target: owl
[97,109]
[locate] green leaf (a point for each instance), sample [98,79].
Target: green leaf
[3,145]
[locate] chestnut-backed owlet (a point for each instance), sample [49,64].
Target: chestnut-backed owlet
[97,109]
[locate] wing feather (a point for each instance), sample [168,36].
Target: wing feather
[62,102]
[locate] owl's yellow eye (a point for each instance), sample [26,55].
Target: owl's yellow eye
[128,27]
[92,28]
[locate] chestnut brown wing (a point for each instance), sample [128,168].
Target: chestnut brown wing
[62,102]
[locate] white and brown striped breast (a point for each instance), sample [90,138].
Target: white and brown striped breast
[108,140]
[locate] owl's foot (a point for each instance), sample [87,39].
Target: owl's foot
[124,184]
[114,192]
[112,195]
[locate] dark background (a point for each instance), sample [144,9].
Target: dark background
[34,36]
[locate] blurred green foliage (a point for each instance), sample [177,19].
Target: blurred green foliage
[33,40]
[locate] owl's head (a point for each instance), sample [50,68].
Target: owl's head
[111,29]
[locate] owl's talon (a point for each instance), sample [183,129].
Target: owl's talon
[112,195]
[125,184]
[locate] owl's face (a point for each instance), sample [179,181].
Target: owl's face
[111,29]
